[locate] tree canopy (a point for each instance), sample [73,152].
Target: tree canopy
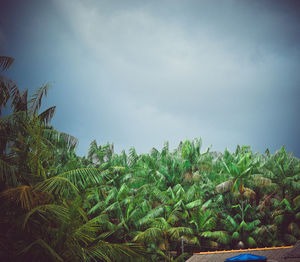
[158,206]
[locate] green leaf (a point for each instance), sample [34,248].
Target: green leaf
[236,235]
[45,246]
[84,177]
[58,186]
[194,204]
[60,213]
[296,201]
[251,242]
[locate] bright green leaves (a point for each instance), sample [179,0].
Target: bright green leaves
[57,185]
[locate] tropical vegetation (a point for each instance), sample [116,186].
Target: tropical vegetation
[159,206]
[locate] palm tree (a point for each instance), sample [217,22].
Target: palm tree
[204,223]
[286,219]
[284,170]
[43,208]
[161,234]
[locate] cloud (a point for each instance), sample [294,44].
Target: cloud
[193,69]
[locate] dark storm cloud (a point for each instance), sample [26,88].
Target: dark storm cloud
[142,72]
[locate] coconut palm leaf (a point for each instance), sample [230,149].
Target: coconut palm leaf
[4,92]
[253,225]
[8,172]
[60,139]
[150,235]
[230,223]
[159,195]
[57,185]
[296,201]
[114,207]
[96,208]
[289,239]
[24,195]
[154,213]
[194,204]
[123,192]
[60,213]
[251,242]
[42,244]
[114,252]
[133,157]
[84,177]
[220,236]
[47,115]
[176,232]
[112,195]
[36,99]
[6,62]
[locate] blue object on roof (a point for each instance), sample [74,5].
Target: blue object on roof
[247,257]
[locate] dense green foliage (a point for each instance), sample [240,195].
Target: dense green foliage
[57,206]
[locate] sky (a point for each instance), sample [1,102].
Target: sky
[139,73]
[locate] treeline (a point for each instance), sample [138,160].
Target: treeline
[161,206]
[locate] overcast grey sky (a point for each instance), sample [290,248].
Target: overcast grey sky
[138,73]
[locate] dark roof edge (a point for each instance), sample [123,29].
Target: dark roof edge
[242,250]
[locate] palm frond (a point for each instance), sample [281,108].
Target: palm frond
[123,192]
[36,100]
[60,139]
[114,252]
[236,235]
[24,195]
[181,258]
[177,232]
[190,194]
[112,195]
[253,224]
[96,208]
[4,92]
[221,236]
[230,223]
[60,213]
[150,235]
[114,207]
[84,177]
[47,115]
[289,239]
[209,223]
[92,152]
[45,246]
[132,157]
[19,99]
[160,223]
[154,213]
[86,233]
[58,186]
[7,172]
[296,201]
[103,221]
[194,204]
[6,62]
[251,242]
[159,195]
[175,216]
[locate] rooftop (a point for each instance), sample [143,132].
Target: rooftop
[274,254]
